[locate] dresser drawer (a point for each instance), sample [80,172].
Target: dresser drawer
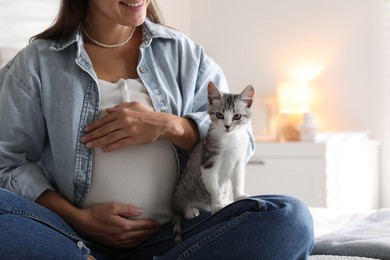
[301,178]
[340,173]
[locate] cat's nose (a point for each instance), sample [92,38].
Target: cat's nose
[227,127]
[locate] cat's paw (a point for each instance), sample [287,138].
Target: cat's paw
[241,197]
[216,208]
[192,213]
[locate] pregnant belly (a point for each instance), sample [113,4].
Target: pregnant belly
[143,176]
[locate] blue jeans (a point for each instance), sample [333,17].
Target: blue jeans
[262,227]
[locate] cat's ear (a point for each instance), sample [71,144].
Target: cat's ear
[248,95]
[213,92]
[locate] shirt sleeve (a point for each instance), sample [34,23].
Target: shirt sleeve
[22,135]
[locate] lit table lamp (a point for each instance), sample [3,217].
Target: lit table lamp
[294,98]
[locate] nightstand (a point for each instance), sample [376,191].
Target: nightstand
[340,173]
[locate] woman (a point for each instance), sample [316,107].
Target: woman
[106,82]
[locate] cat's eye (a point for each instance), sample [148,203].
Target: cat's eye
[237,117]
[219,115]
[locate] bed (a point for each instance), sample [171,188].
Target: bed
[351,235]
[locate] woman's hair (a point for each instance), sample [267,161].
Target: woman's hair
[71,15]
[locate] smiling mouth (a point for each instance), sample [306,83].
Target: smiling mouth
[137,4]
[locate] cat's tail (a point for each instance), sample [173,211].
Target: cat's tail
[176,224]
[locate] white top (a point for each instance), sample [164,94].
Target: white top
[143,175]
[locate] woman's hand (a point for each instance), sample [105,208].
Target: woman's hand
[111,224]
[132,124]
[125,125]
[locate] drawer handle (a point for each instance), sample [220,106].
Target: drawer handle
[257,162]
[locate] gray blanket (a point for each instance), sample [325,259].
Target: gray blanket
[338,257]
[368,237]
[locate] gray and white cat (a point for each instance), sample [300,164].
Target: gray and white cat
[217,160]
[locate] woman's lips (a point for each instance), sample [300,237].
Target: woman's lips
[132,4]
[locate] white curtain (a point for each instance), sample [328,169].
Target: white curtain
[21,19]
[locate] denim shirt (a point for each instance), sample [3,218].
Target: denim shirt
[49,94]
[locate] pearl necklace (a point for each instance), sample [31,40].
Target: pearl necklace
[106,45]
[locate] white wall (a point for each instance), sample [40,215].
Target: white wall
[264,41]
[177,13]
[21,19]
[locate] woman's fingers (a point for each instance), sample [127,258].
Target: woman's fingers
[107,130]
[125,125]
[114,140]
[96,140]
[138,231]
[118,225]
[125,210]
[99,123]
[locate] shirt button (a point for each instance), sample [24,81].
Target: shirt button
[143,70]
[164,111]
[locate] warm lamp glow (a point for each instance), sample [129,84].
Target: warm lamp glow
[306,72]
[293,97]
